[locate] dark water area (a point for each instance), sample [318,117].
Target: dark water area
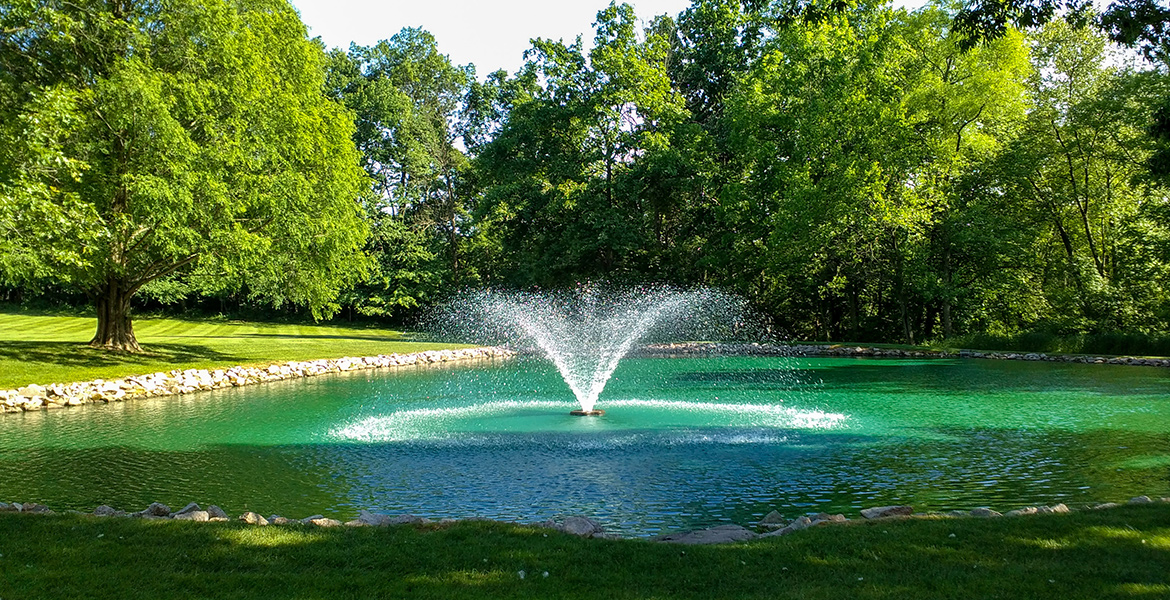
[684,443]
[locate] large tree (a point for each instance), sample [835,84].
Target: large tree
[179,141]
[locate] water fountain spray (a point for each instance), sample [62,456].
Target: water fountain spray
[584,333]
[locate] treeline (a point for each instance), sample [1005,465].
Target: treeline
[858,176]
[858,173]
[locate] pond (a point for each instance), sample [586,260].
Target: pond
[684,443]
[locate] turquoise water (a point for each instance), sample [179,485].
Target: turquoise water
[685,442]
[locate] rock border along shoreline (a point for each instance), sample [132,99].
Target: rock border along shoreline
[772,525]
[853,350]
[34,397]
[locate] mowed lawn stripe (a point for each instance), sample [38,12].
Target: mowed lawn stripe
[54,348]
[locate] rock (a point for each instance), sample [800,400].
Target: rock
[158,509]
[985,513]
[33,507]
[357,523]
[306,520]
[582,526]
[5,507]
[827,518]
[186,509]
[773,519]
[716,535]
[1140,500]
[252,518]
[1059,508]
[802,522]
[195,515]
[104,511]
[373,519]
[1106,505]
[1021,512]
[215,512]
[882,512]
[324,522]
[32,390]
[279,520]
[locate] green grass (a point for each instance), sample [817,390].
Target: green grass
[42,349]
[1119,553]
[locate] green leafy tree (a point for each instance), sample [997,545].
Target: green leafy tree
[181,140]
[407,98]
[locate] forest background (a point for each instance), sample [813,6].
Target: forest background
[860,173]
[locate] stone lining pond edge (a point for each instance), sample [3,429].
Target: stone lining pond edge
[771,525]
[843,350]
[34,397]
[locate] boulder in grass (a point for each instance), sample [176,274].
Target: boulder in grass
[279,520]
[33,507]
[575,525]
[985,513]
[216,512]
[252,518]
[882,512]
[192,507]
[104,511]
[324,522]
[5,507]
[308,520]
[716,535]
[195,515]
[801,522]
[1140,500]
[372,519]
[773,520]
[582,526]
[158,509]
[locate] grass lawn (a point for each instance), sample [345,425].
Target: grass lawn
[53,349]
[1118,553]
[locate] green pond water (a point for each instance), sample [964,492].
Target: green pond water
[685,442]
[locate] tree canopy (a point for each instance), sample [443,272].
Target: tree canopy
[177,146]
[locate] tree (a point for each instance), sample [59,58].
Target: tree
[182,141]
[564,191]
[406,97]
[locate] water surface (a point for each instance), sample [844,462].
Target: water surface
[685,442]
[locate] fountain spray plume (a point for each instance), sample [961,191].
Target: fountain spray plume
[585,332]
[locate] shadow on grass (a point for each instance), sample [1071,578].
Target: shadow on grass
[80,355]
[1110,554]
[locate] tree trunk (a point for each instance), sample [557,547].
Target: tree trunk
[114,329]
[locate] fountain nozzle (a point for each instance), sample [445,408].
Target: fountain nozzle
[587,413]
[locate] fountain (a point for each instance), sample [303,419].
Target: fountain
[585,333]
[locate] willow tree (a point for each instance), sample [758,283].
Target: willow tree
[173,141]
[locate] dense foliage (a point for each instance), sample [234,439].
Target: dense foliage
[171,148]
[856,171]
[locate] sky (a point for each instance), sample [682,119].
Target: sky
[490,34]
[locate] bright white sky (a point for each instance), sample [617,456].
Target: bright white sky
[490,34]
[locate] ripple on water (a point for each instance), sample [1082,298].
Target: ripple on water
[673,422]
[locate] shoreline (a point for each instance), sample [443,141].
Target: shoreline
[863,351]
[771,525]
[35,397]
